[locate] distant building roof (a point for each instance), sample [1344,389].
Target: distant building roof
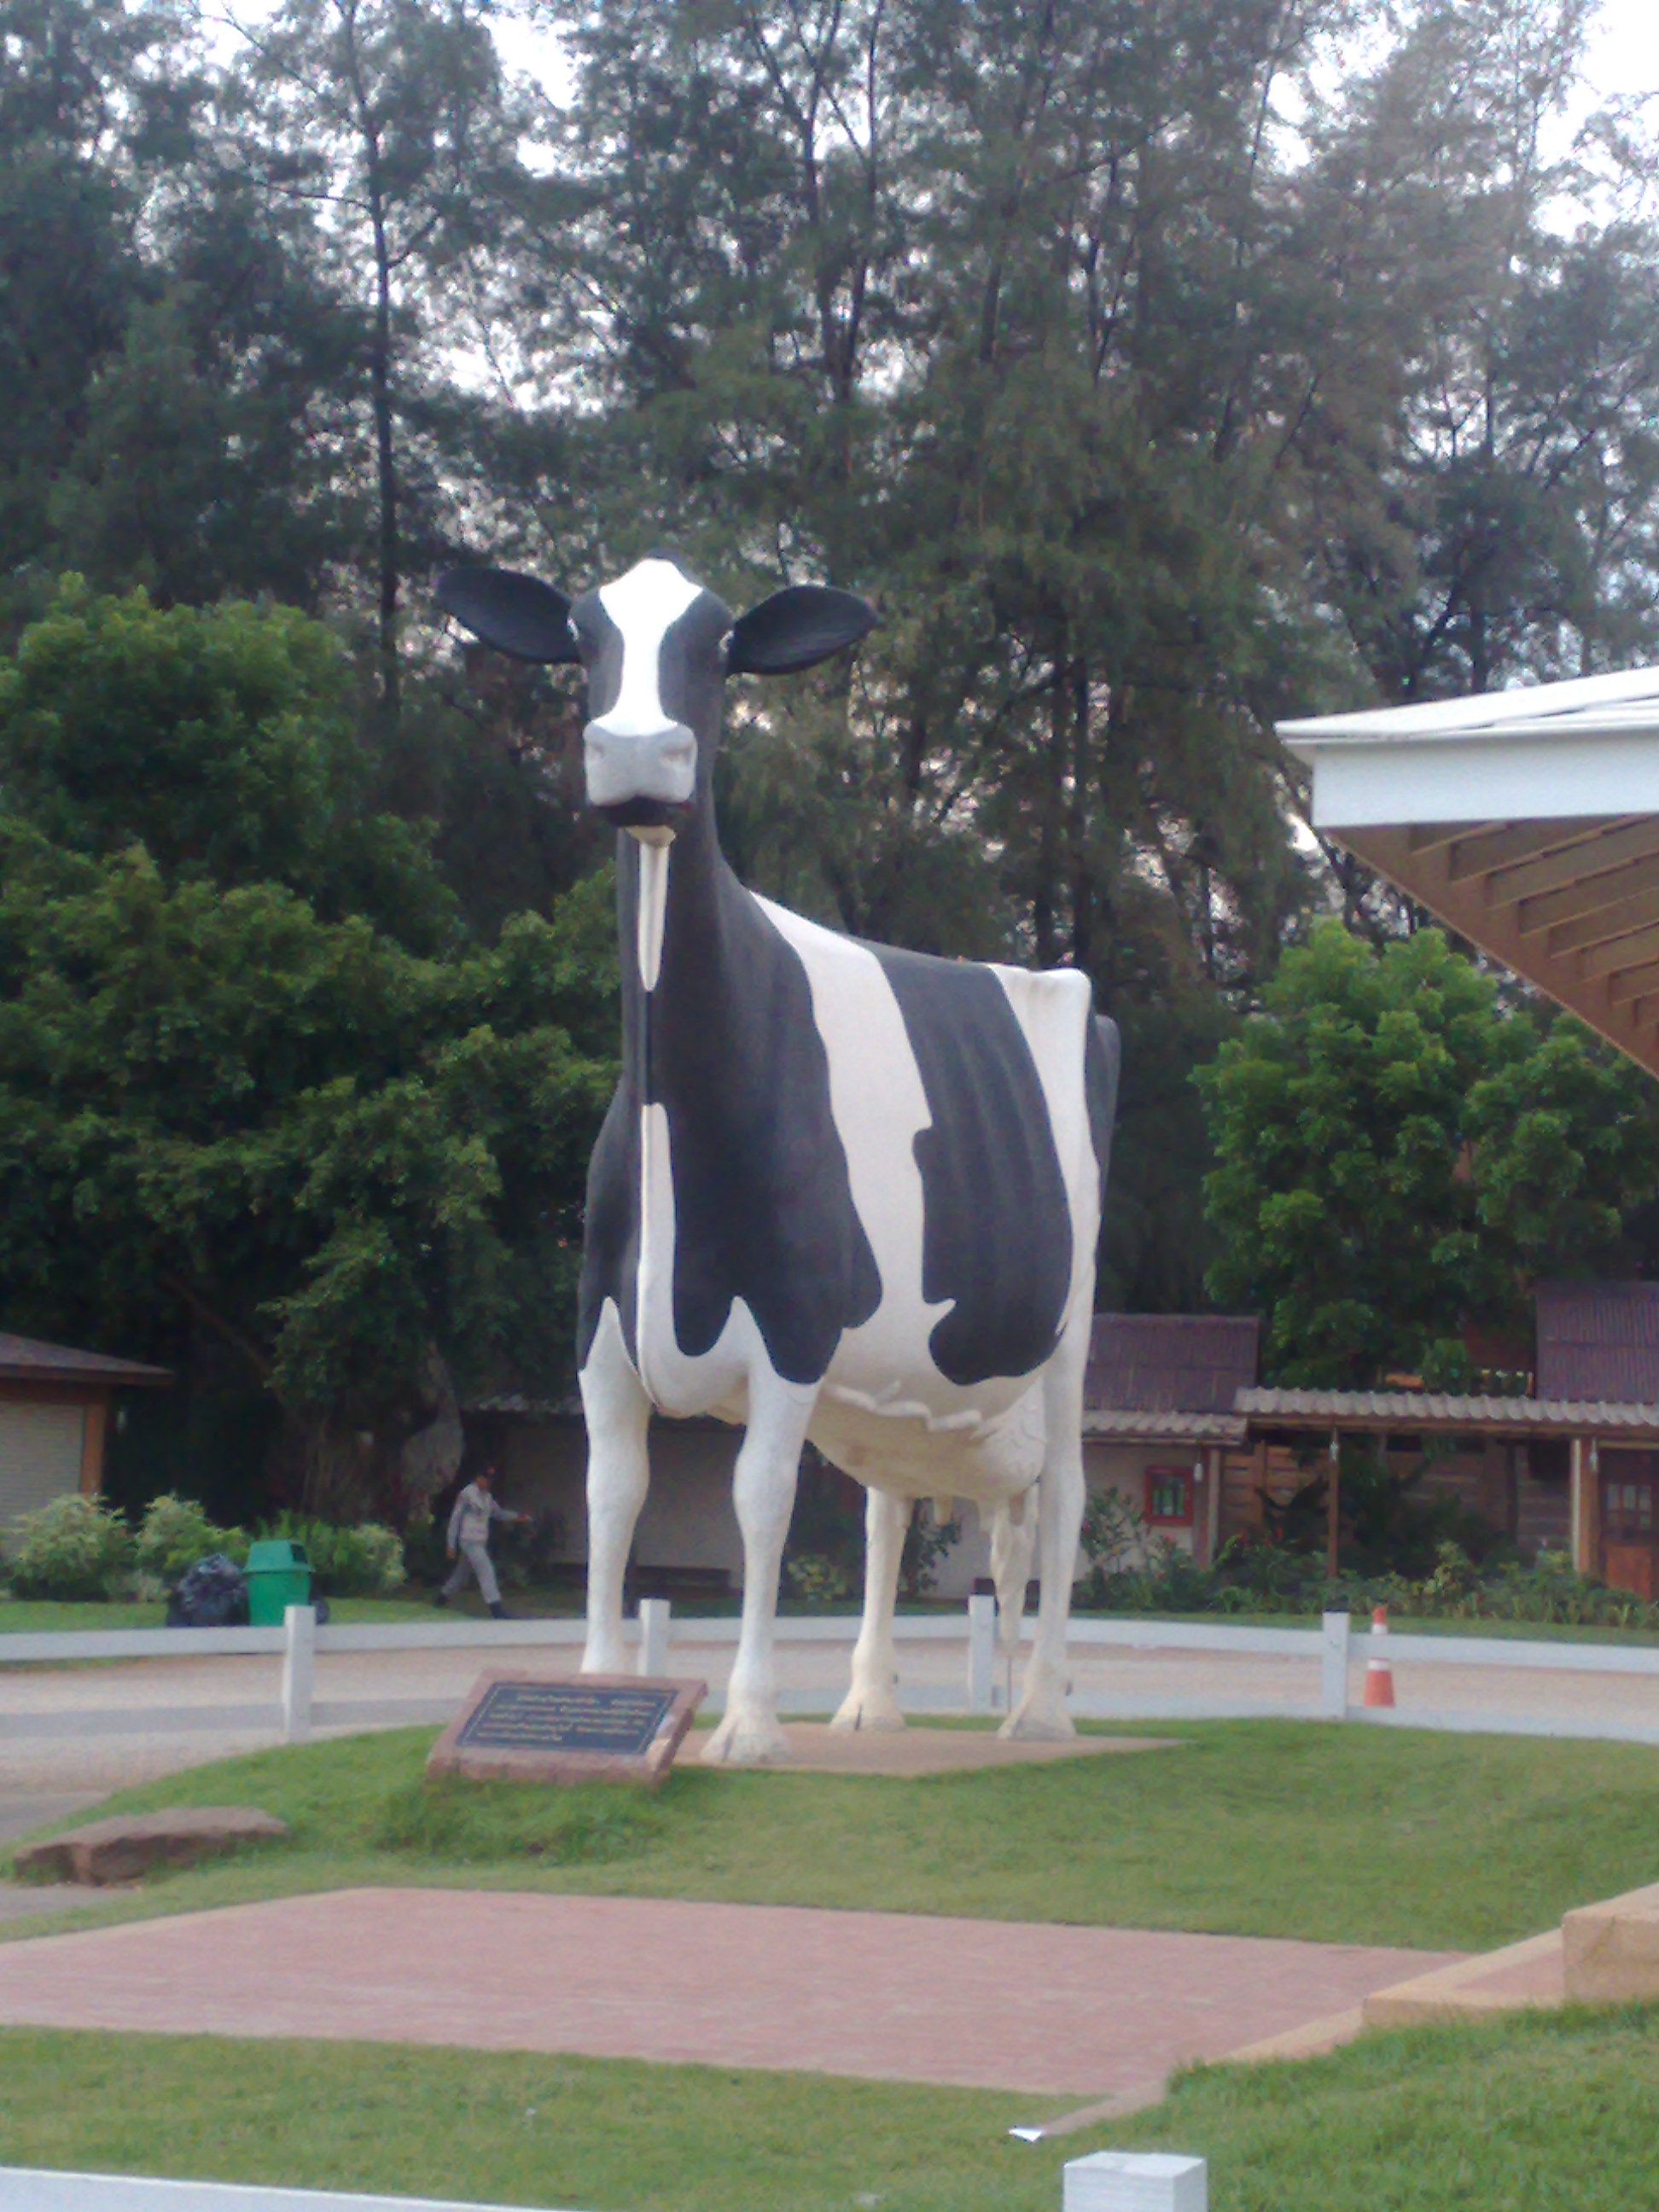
[1444,1414]
[1105,1426]
[1185,1363]
[24,1360]
[1599,1340]
[533,1409]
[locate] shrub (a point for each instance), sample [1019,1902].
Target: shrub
[175,1533]
[532,1552]
[928,1541]
[73,1548]
[1251,1574]
[816,1580]
[137,1588]
[365,1561]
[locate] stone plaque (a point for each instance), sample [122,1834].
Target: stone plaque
[567,1727]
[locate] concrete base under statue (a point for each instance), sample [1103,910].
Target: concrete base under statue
[815,1748]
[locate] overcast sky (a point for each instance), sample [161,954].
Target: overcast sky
[1623,52]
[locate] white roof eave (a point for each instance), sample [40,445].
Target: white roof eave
[1563,751]
[1590,705]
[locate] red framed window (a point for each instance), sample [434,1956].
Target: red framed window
[1169,1497]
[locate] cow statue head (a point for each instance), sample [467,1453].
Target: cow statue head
[658,648]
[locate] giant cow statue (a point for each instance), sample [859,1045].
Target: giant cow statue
[843,1193]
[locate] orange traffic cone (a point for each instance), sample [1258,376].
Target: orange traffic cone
[1379,1675]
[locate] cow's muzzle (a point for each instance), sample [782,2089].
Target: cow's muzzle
[626,767]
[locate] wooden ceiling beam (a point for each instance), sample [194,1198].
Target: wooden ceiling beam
[1633,982]
[1427,837]
[1636,840]
[1617,953]
[1592,897]
[1605,924]
[1476,853]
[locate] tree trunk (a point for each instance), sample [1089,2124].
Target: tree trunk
[1083,875]
[380,374]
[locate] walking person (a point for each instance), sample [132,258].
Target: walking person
[468,1542]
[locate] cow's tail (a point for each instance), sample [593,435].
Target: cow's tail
[1013,1534]
[1101,1064]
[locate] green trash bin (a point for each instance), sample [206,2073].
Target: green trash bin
[278,1576]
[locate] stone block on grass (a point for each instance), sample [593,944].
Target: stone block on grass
[1610,1951]
[129,1844]
[1135,2181]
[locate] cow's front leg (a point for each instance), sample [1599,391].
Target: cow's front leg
[1040,1713]
[763,1491]
[618,1473]
[872,1702]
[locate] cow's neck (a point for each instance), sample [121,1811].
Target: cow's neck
[685,929]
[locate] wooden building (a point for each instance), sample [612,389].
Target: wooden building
[55,1405]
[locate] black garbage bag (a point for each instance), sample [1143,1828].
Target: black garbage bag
[213,1593]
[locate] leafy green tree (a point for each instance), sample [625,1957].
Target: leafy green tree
[1397,1155]
[224,742]
[393,121]
[238,1097]
[90,103]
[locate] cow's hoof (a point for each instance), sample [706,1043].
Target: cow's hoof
[743,1742]
[1039,1724]
[862,1710]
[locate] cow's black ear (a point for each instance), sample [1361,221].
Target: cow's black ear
[795,628]
[515,614]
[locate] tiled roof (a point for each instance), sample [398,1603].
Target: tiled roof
[1431,1409]
[535,1409]
[1168,1363]
[1105,1425]
[1599,1340]
[24,1360]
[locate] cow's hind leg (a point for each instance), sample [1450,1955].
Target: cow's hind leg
[1013,1534]
[1040,1713]
[619,1474]
[872,1702]
[765,1494]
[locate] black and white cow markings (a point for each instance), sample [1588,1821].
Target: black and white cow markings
[842,1192]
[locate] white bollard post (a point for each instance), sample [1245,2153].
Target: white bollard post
[981,1653]
[653,1635]
[1334,1667]
[1135,2181]
[298,1659]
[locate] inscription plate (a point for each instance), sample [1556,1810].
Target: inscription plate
[569,1728]
[569,1717]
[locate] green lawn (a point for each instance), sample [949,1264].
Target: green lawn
[1546,2115]
[1263,1828]
[21,1616]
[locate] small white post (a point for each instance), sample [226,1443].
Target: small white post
[1334,1666]
[653,1635]
[299,1662]
[981,1652]
[1135,2181]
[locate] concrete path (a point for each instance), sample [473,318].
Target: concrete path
[20,1812]
[979,2004]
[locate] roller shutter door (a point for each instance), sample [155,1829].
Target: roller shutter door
[40,1456]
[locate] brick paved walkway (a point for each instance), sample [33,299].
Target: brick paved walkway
[983,2004]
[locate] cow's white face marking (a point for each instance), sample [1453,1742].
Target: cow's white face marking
[635,750]
[643,605]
